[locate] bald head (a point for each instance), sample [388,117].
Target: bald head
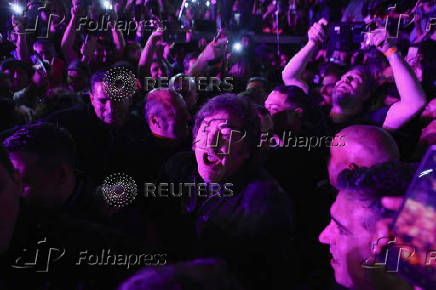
[166,114]
[365,146]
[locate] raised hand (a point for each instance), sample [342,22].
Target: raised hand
[317,33]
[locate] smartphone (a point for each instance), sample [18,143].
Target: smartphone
[174,36]
[415,225]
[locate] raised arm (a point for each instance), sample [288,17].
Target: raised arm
[117,35]
[22,48]
[412,96]
[214,50]
[70,35]
[147,53]
[292,73]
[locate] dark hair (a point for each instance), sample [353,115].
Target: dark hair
[295,96]
[5,161]
[13,63]
[82,67]
[43,42]
[313,120]
[371,184]
[188,58]
[53,145]
[97,77]
[238,106]
[163,65]
[254,95]
[332,69]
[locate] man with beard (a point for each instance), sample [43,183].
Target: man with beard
[351,93]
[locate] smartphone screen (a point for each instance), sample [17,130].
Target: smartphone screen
[415,224]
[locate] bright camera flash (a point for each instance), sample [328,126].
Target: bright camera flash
[16,8]
[107,5]
[237,46]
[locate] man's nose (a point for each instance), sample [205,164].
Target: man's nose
[324,236]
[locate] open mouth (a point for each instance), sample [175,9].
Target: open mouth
[334,260]
[210,159]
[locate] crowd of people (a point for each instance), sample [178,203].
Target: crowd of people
[211,161]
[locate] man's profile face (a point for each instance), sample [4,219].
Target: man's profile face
[37,182]
[276,102]
[284,116]
[9,207]
[111,112]
[177,121]
[350,242]
[220,152]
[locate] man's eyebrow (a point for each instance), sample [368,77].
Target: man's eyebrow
[339,224]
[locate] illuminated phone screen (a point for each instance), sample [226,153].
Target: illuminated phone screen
[415,225]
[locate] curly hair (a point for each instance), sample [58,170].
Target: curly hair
[370,185]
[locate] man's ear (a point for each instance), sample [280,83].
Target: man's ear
[298,110]
[63,173]
[155,121]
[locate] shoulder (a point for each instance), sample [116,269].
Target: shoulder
[263,194]
[181,165]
